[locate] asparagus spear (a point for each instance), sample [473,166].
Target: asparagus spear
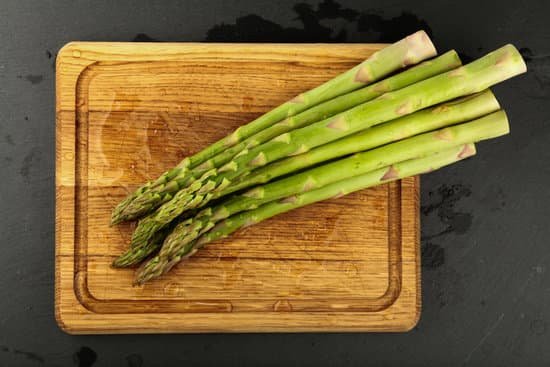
[138,254]
[461,110]
[159,265]
[495,67]
[408,51]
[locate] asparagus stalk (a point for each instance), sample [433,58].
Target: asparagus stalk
[408,51]
[495,67]
[461,110]
[159,265]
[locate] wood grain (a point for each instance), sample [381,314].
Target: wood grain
[126,112]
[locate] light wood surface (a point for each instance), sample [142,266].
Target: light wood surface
[126,112]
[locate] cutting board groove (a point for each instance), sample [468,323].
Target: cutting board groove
[126,112]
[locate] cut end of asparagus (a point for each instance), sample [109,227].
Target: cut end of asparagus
[420,48]
[501,124]
[507,62]
[512,53]
[454,55]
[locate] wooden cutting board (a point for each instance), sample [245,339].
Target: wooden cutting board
[126,112]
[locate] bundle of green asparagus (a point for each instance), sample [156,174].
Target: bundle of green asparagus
[355,131]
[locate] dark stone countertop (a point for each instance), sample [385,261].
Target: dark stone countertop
[486,279]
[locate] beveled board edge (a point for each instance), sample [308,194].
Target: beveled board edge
[73,318]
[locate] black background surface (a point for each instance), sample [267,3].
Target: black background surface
[485,247]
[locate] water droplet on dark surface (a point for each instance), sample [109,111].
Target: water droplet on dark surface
[85,357]
[433,256]
[367,26]
[33,78]
[142,37]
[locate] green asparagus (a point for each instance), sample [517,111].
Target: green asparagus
[160,265]
[495,67]
[461,110]
[161,193]
[408,51]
